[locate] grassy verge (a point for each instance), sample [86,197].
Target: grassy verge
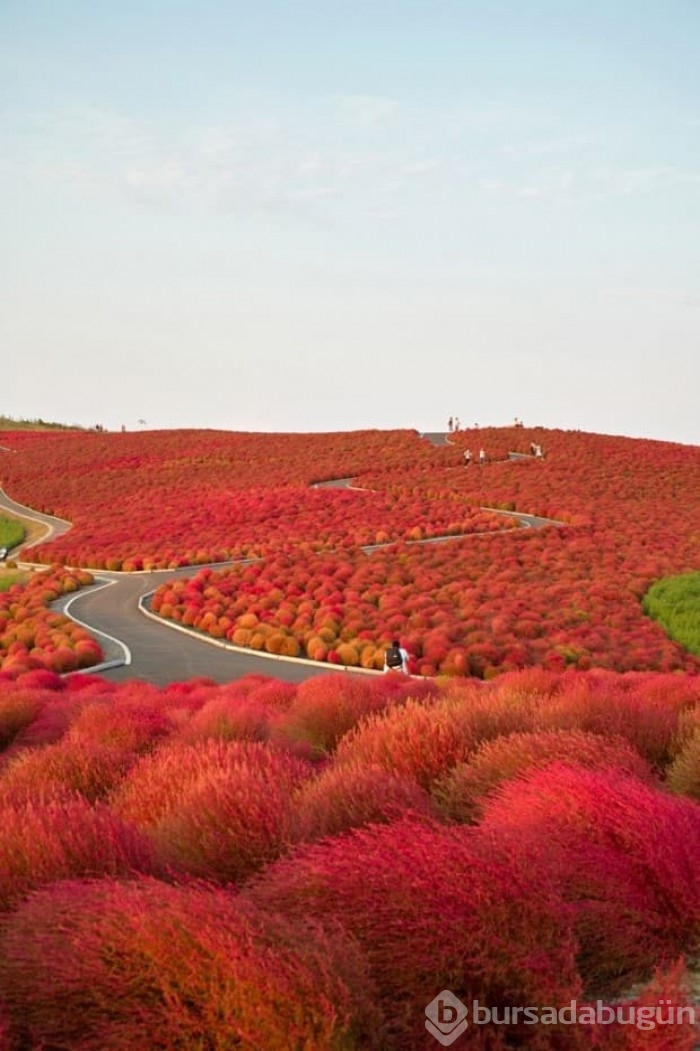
[675,604]
[8,577]
[11,532]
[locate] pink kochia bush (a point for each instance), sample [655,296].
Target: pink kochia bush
[326,707]
[133,726]
[141,965]
[462,792]
[18,708]
[614,705]
[432,909]
[666,997]
[414,741]
[346,797]
[64,840]
[422,740]
[577,880]
[228,717]
[219,810]
[621,852]
[63,770]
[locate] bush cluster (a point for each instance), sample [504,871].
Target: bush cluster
[268,866]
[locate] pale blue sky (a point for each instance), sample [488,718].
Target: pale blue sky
[321,215]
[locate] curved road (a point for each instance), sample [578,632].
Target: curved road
[158,651]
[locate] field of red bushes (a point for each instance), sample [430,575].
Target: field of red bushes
[219,495]
[33,636]
[271,867]
[276,867]
[499,599]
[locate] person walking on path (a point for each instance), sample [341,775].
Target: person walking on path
[467,457]
[482,457]
[396,658]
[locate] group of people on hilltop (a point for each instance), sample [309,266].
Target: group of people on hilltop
[453,424]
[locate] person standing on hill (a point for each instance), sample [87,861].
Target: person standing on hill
[396,658]
[467,457]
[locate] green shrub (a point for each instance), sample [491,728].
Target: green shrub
[675,604]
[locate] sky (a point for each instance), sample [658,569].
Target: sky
[318,216]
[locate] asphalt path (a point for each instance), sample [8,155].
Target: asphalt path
[159,651]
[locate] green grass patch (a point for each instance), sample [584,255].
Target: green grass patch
[8,577]
[674,603]
[11,532]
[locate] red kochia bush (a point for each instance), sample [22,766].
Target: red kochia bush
[415,741]
[348,797]
[432,910]
[141,965]
[51,721]
[327,706]
[126,723]
[462,792]
[63,770]
[18,708]
[665,1022]
[42,679]
[422,741]
[228,718]
[603,703]
[64,840]
[214,809]
[623,853]
[272,694]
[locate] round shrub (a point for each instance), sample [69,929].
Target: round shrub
[667,997]
[229,718]
[348,797]
[64,840]
[124,722]
[461,793]
[432,909]
[622,853]
[214,809]
[137,965]
[416,741]
[62,770]
[688,727]
[18,708]
[602,703]
[327,706]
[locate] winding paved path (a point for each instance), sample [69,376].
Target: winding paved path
[160,652]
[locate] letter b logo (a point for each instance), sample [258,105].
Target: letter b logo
[446,1017]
